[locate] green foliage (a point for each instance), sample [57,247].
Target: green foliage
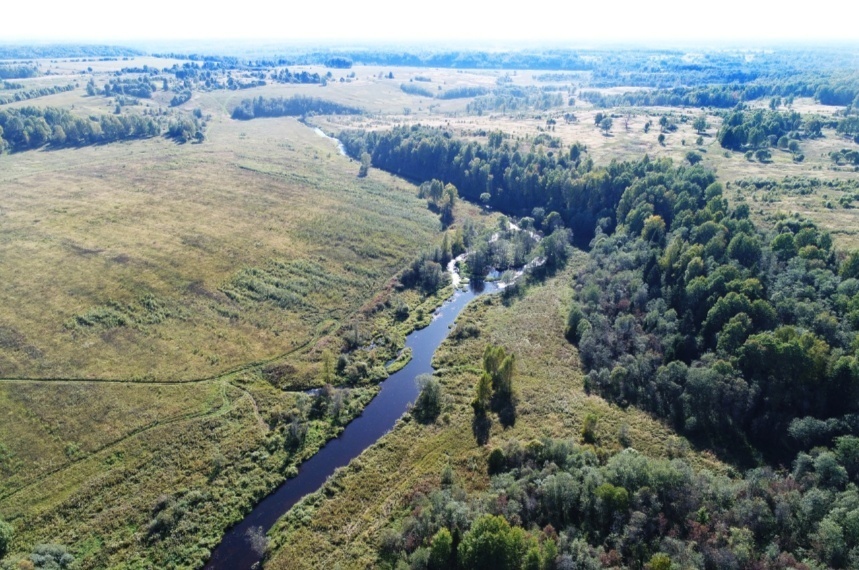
[29,128]
[492,544]
[430,399]
[496,461]
[463,92]
[441,550]
[559,182]
[610,505]
[605,124]
[482,394]
[499,370]
[660,561]
[295,106]
[413,89]
[26,94]
[589,428]
[689,319]
[51,557]
[6,533]
[753,130]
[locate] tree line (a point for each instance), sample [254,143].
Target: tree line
[296,106]
[514,181]
[755,129]
[286,76]
[30,128]
[35,93]
[826,90]
[514,98]
[18,71]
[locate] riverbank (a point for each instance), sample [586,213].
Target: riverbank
[343,522]
[395,395]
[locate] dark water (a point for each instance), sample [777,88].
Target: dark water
[397,392]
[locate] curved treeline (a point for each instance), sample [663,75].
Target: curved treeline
[30,128]
[34,93]
[687,309]
[295,106]
[740,336]
[455,93]
[463,92]
[516,181]
[417,90]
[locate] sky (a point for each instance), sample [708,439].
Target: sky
[570,22]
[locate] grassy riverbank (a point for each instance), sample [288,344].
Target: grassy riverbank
[341,524]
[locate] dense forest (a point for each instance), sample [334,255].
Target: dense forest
[754,129]
[556,504]
[498,174]
[830,89]
[740,337]
[39,51]
[733,334]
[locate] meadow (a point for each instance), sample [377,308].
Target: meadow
[164,307]
[156,298]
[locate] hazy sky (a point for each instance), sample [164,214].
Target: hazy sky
[571,21]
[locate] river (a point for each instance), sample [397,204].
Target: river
[380,415]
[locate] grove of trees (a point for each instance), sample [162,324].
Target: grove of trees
[296,106]
[28,128]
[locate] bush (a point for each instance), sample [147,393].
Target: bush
[492,544]
[497,461]
[6,532]
[51,557]
[428,405]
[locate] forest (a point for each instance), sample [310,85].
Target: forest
[557,504]
[686,309]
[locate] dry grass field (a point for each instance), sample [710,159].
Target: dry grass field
[119,260]
[144,261]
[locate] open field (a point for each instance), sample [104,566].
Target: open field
[341,524]
[144,261]
[139,252]
[92,465]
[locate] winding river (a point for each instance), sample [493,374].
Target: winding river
[380,415]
